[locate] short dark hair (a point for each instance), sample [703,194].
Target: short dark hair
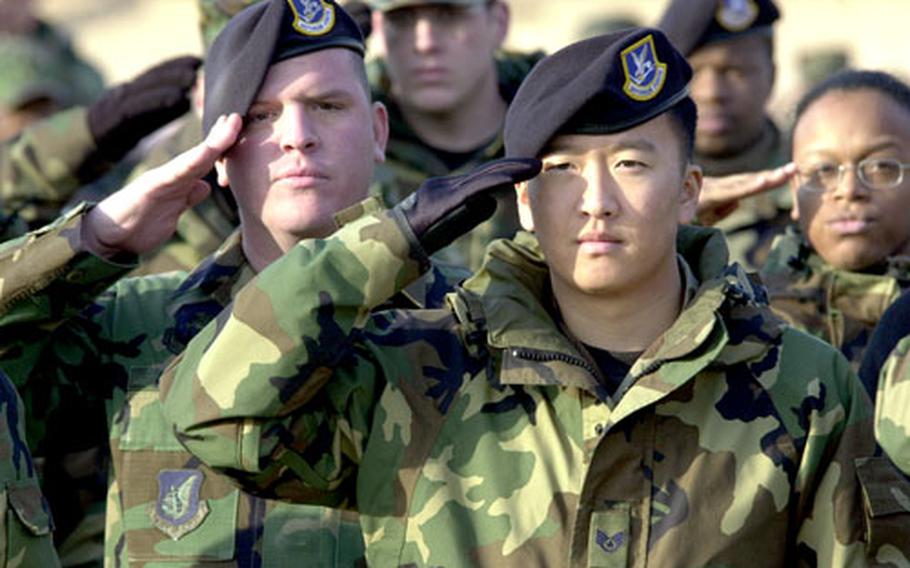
[857,80]
[684,115]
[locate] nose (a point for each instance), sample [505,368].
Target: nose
[708,84]
[598,199]
[849,186]
[296,130]
[425,39]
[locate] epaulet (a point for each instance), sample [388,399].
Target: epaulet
[469,312]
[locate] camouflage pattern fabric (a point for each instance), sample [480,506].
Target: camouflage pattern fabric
[409,162]
[43,63]
[24,515]
[892,406]
[214,15]
[752,227]
[838,306]
[42,168]
[892,432]
[478,434]
[163,506]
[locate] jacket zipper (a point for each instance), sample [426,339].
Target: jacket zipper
[544,356]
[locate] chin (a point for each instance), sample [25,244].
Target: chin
[855,260]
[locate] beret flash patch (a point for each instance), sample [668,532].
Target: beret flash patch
[736,15]
[644,73]
[312,17]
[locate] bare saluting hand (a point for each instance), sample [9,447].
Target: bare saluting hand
[720,195]
[143,215]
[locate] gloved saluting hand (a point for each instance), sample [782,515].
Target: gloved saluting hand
[444,208]
[125,114]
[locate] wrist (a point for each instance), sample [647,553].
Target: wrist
[89,236]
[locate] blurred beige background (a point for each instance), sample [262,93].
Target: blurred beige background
[124,36]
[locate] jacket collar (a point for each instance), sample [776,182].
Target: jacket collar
[206,291]
[725,319]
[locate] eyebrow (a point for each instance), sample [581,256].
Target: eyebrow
[318,96]
[640,144]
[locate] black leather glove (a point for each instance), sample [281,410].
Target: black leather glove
[444,208]
[125,114]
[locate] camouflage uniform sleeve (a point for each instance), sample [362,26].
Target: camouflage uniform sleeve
[885,479]
[45,279]
[249,395]
[839,473]
[892,406]
[42,167]
[27,532]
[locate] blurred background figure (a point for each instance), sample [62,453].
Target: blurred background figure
[446,82]
[40,73]
[817,64]
[730,45]
[608,24]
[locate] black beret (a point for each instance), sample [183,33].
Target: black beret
[263,34]
[734,18]
[608,83]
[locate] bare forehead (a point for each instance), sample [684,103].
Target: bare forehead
[841,116]
[746,49]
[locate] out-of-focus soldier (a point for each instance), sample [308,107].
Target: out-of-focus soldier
[40,72]
[849,258]
[730,45]
[447,86]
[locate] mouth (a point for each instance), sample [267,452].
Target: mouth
[430,73]
[599,243]
[300,177]
[846,226]
[713,123]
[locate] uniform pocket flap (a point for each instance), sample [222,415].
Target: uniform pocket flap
[31,508]
[885,490]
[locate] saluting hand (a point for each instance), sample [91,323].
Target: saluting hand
[720,195]
[143,215]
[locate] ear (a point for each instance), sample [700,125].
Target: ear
[524,206]
[380,131]
[688,196]
[500,16]
[221,170]
[794,194]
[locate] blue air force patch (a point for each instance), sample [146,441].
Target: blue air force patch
[178,509]
[736,15]
[312,17]
[645,74]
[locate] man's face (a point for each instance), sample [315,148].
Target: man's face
[307,148]
[606,208]
[437,55]
[731,85]
[852,226]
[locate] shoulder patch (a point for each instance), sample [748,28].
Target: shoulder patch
[736,15]
[312,17]
[178,509]
[644,73]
